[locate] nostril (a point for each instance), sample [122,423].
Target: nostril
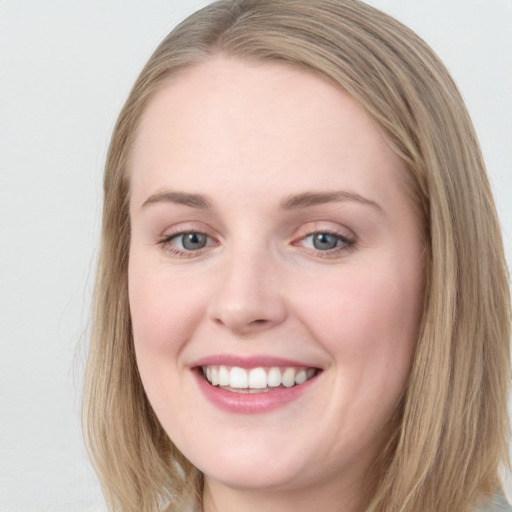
[241,312]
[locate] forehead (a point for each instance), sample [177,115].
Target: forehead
[227,119]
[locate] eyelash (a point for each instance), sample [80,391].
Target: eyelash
[166,243]
[346,244]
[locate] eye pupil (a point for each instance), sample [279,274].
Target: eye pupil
[193,241]
[324,241]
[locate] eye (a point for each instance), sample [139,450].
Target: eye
[185,244]
[327,244]
[323,241]
[190,241]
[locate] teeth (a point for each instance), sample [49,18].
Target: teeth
[223,376]
[288,378]
[238,378]
[274,377]
[256,378]
[301,377]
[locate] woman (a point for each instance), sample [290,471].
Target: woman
[294,305]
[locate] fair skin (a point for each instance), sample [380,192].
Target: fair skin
[271,229]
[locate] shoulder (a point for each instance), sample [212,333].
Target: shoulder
[495,504]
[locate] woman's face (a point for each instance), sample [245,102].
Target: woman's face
[273,246]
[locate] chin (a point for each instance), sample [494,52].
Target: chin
[253,468]
[248,478]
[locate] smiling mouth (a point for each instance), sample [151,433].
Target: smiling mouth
[256,380]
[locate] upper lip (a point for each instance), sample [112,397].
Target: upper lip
[249,361]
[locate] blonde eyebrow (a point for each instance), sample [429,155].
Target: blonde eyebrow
[183,198]
[309,199]
[293,202]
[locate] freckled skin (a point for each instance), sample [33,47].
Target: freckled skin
[248,136]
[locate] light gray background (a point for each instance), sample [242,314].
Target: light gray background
[65,69]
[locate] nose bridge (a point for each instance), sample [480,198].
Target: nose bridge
[248,296]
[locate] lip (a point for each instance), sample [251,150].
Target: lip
[249,403]
[248,361]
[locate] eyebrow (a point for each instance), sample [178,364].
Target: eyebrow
[293,202]
[184,198]
[309,199]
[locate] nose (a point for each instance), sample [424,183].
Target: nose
[249,298]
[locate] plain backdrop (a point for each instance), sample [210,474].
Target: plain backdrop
[65,69]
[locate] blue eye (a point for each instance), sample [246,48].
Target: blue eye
[324,241]
[190,241]
[187,244]
[327,244]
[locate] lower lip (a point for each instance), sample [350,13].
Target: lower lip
[251,403]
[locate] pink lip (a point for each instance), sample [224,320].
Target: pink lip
[246,362]
[249,403]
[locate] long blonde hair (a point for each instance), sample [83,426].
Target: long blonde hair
[451,427]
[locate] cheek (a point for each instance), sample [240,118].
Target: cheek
[164,315]
[368,318]
[162,307]
[161,315]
